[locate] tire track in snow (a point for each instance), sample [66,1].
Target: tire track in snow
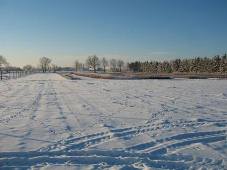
[29,160]
[109,158]
[95,139]
[63,100]
[180,140]
[33,110]
[51,105]
[54,98]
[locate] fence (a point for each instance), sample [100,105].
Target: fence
[5,75]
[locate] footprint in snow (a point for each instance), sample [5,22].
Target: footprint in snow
[90,83]
[52,131]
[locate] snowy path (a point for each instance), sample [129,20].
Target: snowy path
[51,122]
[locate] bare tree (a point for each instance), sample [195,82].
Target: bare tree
[3,61]
[77,65]
[54,68]
[27,68]
[104,63]
[45,64]
[120,64]
[113,64]
[93,61]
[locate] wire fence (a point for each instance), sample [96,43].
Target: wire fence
[6,75]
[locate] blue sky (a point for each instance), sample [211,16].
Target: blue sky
[66,30]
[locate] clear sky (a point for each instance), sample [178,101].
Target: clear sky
[66,30]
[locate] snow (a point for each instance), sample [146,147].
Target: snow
[51,122]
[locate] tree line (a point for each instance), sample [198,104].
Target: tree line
[44,66]
[93,63]
[216,64]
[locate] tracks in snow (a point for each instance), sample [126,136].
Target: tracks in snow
[23,108]
[85,142]
[161,152]
[155,154]
[158,153]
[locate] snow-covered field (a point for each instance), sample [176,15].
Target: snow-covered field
[50,122]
